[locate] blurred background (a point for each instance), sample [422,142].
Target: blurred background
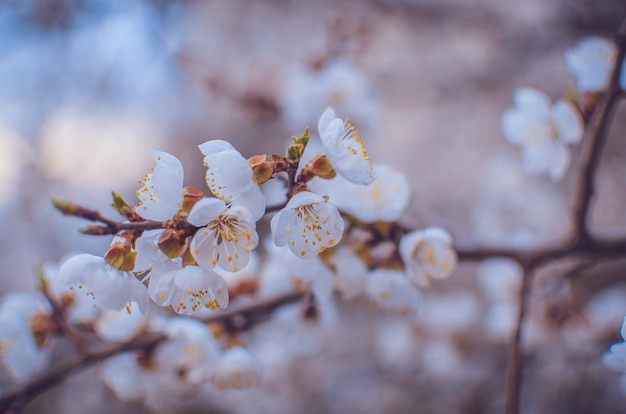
[89,87]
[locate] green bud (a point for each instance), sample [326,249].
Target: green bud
[121,205]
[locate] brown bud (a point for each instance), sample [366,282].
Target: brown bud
[188,259]
[321,167]
[172,243]
[262,168]
[121,256]
[191,196]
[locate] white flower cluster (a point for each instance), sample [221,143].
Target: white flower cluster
[182,250]
[544,130]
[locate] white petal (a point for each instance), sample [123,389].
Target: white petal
[568,122]
[205,211]
[327,117]
[533,102]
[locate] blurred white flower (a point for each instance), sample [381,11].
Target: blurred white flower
[189,289]
[238,369]
[339,84]
[427,254]
[391,290]
[385,199]
[350,273]
[160,197]
[89,275]
[227,236]
[615,357]
[120,325]
[20,353]
[591,63]
[543,131]
[308,225]
[345,149]
[283,270]
[230,177]
[177,367]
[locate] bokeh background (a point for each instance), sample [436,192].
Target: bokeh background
[89,87]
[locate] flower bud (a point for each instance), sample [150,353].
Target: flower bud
[172,243]
[121,256]
[321,167]
[121,205]
[191,196]
[262,168]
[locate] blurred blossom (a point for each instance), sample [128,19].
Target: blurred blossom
[543,131]
[591,63]
[339,83]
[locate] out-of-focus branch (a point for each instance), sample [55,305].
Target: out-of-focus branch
[580,244]
[594,141]
[15,398]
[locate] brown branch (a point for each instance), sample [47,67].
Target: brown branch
[18,396]
[515,364]
[595,139]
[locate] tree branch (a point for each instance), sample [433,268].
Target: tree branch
[595,139]
[16,397]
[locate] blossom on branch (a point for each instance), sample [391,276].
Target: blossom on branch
[22,352]
[227,236]
[345,149]
[428,254]
[237,369]
[383,200]
[162,193]
[591,63]
[230,177]
[107,287]
[543,131]
[308,225]
[189,290]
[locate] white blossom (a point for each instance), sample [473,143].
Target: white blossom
[340,84]
[189,289]
[391,290]
[227,236]
[177,367]
[308,225]
[91,276]
[20,353]
[615,357]
[350,273]
[344,148]
[543,131]
[150,257]
[238,369]
[591,63]
[120,325]
[162,193]
[427,254]
[385,199]
[230,177]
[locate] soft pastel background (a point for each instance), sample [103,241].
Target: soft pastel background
[89,87]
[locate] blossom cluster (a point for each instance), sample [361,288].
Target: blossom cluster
[545,130]
[334,229]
